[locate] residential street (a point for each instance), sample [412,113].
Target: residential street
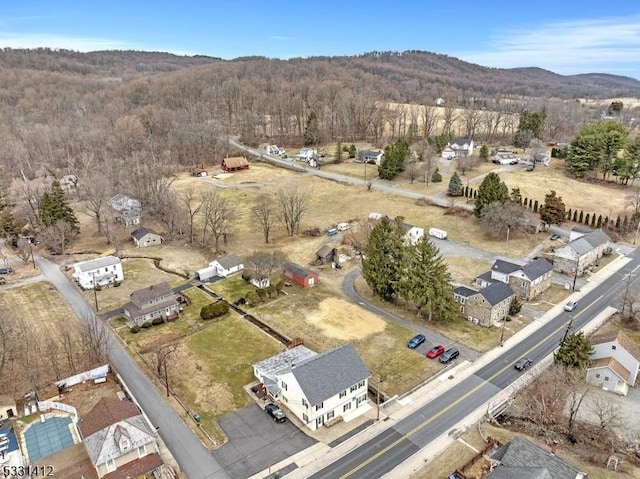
[194,459]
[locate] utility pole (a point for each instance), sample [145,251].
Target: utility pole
[95,291]
[575,276]
[626,292]
[566,333]
[504,326]
[378,398]
[166,377]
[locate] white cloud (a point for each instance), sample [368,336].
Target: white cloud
[82,44]
[610,45]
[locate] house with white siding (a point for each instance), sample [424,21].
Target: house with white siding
[98,272]
[319,389]
[615,362]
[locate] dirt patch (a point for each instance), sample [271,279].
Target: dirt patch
[340,319]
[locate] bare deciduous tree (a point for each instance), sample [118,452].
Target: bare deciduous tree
[293,203]
[58,235]
[608,413]
[503,218]
[96,339]
[265,213]
[262,264]
[193,206]
[219,217]
[96,190]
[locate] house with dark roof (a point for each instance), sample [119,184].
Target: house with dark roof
[235,163]
[581,253]
[370,156]
[317,388]
[462,146]
[526,281]
[615,362]
[143,237]
[119,441]
[523,459]
[327,254]
[156,301]
[486,306]
[299,275]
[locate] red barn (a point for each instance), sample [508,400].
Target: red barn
[300,275]
[235,163]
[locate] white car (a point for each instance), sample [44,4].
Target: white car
[571,305]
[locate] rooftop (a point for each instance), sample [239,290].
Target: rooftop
[229,261]
[152,292]
[96,263]
[106,412]
[139,233]
[496,293]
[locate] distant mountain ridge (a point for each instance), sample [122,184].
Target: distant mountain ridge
[407,76]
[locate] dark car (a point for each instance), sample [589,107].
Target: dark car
[416,341]
[449,355]
[513,162]
[522,364]
[5,270]
[275,412]
[435,351]
[554,237]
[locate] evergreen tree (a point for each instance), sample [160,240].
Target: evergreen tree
[575,351]
[593,219]
[535,206]
[436,177]
[484,153]
[575,216]
[8,228]
[516,196]
[595,148]
[312,130]
[393,160]
[618,223]
[352,151]
[553,210]
[383,257]
[569,214]
[515,306]
[53,207]
[490,190]
[581,217]
[455,185]
[427,282]
[586,219]
[530,203]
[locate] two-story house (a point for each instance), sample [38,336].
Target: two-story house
[98,272]
[462,146]
[614,362]
[582,252]
[487,306]
[526,281]
[119,441]
[156,301]
[318,388]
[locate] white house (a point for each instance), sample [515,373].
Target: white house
[462,146]
[227,265]
[439,101]
[98,272]
[317,388]
[143,237]
[412,233]
[119,440]
[129,209]
[370,156]
[448,153]
[307,154]
[614,362]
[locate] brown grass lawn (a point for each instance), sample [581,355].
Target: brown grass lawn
[43,314]
[466,270]
[552,296]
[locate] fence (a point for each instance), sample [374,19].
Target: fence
[99,372]
[48,405]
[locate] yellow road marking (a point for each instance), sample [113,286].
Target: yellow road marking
[455,403]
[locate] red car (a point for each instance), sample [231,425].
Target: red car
[436,351]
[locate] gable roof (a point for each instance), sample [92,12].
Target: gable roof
[229,261]
[588,242]
[505,267]
[283,361]
[102,445]
[106,412]
[461,141]
[137,467]
[521,453]
[236,161]
[325,251]
[325,375]
[464,291]
[151,292]
[298,270]
[496,293]
[92,264]
[140,233]
[613,365]
[519,472]
[625,341]
[537,268]
[371,153]
[596,238]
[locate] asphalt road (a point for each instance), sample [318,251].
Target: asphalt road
[380,455]
[194,459]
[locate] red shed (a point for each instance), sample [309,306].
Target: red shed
[300,275]
[235,163]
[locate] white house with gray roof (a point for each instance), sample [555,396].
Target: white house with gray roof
[527,281]
[523,459]
[317,388]
[581,253]
[98,272]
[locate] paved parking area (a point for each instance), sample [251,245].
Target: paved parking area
[256,442]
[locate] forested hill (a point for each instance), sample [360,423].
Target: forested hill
[109,63]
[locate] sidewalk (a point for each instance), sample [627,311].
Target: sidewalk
[319,456]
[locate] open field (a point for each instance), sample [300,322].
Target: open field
[458,454]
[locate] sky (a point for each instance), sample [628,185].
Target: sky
[564,36]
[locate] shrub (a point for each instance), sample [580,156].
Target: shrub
[116,284]
[157,321]
[352,151]
[262,293]
[271,289]
[134,329]
[146,325]
[214,310]
[515,307]
[246,277]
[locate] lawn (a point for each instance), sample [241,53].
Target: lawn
[549,298]
[465,270]
[214,364]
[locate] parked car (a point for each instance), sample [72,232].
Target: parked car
[435,351]
[522,364]
[416,341]
[513,162]
[529,168]
[275,412]
[554,237]
[571,305]
[449,355]
[5,270]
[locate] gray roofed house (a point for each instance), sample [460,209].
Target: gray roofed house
[227,265]
[326,253]
[462,146]
[156,301]
[521,456]
[98,263]
[496,293]
[145,237]
[101,271]
[580,254]
[526,281]
[537,268]
[505,267]
[319,388]
[486,306]
[464,292]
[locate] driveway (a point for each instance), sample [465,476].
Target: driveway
[256,442]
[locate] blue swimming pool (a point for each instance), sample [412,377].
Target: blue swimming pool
[49,437]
